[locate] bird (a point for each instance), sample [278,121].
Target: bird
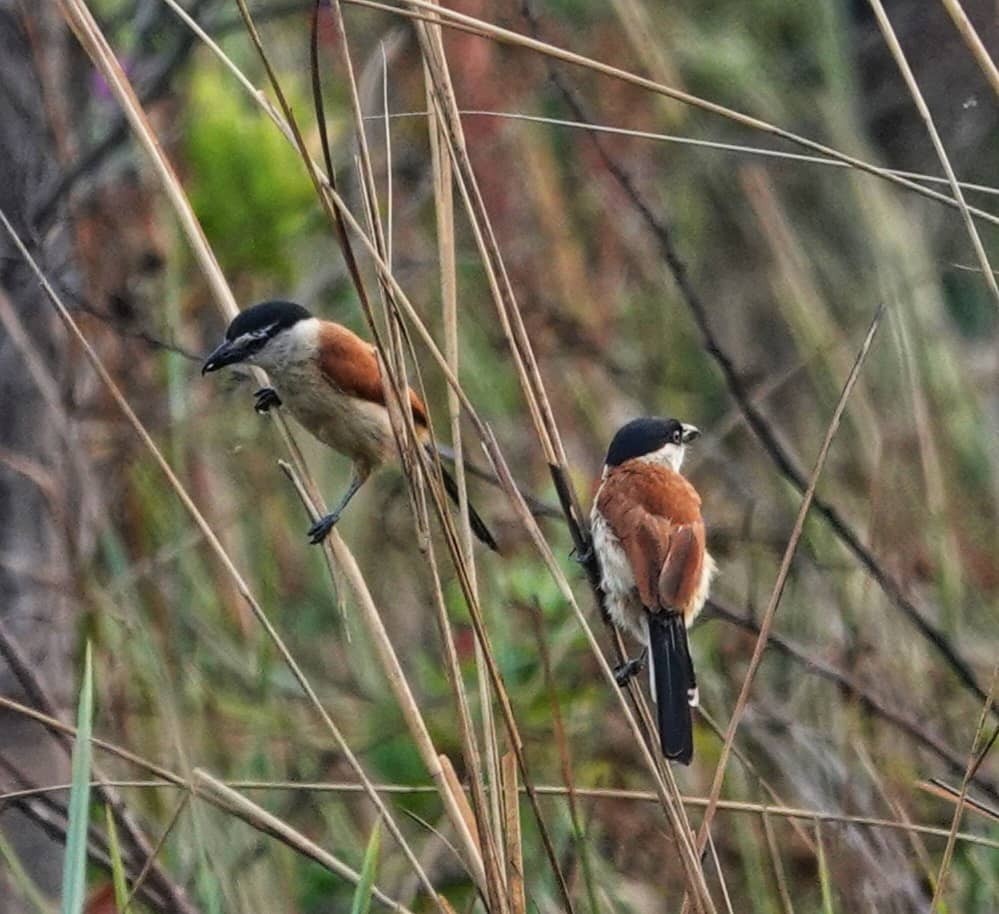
[648,538]
[329,379]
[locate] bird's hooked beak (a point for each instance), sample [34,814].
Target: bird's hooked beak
[229,353]
[690,432]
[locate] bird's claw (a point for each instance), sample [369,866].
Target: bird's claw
[321,528]
[625,672]
[584,556]
[266,397]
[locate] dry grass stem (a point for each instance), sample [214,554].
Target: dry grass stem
[399,684]
[696,142]
[973,759]
[231,801]
[171,780]
[891,39]
[514,847]
[778,589]
[952,794]
[452,18]
[147,867]
[780,877]
[974,43]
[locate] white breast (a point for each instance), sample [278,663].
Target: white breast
[617,579]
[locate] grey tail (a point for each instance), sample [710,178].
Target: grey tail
[673,678]
[479,527]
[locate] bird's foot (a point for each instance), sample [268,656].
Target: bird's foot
[266,397]
[625,672]
[321,528]
[584,556]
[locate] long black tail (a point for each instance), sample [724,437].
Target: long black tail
[673,676]
[479,527]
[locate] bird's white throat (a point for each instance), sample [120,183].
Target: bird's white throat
[297,344]
[669,455]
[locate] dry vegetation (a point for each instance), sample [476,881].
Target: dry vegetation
[730,248]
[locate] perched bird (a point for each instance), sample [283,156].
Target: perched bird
[648,538]
[329,379]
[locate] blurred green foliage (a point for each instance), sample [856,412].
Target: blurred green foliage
[248,186]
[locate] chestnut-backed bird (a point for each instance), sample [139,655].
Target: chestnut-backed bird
[648,537]
[330,381]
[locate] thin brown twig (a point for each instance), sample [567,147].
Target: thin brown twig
[780,877]
[173,781]
[454,19]
[785,568]
[154,853]
[697,142]
[229,800]
[400,687]
[942,789]
[444,217]
[55,826]
[753,772]
[941,885]
[974,43]
[873,704]
[565,755]
[891,39]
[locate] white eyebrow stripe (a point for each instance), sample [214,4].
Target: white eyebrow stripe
[258,334]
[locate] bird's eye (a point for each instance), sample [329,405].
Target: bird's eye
[677,436]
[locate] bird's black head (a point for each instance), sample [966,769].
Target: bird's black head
[267,318]
[252,329]
[648,436]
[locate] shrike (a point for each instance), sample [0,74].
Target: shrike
[655,570]
[329,379]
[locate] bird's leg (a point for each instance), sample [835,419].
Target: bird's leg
[624,672]
[266,397]
[585,555]
[321,528]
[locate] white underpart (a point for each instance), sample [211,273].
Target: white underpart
[617,580]
[355,427]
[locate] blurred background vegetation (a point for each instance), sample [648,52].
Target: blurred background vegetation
[853,709]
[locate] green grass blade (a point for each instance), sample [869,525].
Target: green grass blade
[117,865]
[74,872]
[362,896]
[825,880]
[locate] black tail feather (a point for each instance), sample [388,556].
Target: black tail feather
[673,676]
[479,527]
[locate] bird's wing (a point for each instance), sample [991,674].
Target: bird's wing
[661,532]
[681,572]
[351,366]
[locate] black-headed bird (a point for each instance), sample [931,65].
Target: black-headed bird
[329,380]
[655,570]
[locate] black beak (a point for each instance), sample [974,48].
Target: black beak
[229,353]
[690,433]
